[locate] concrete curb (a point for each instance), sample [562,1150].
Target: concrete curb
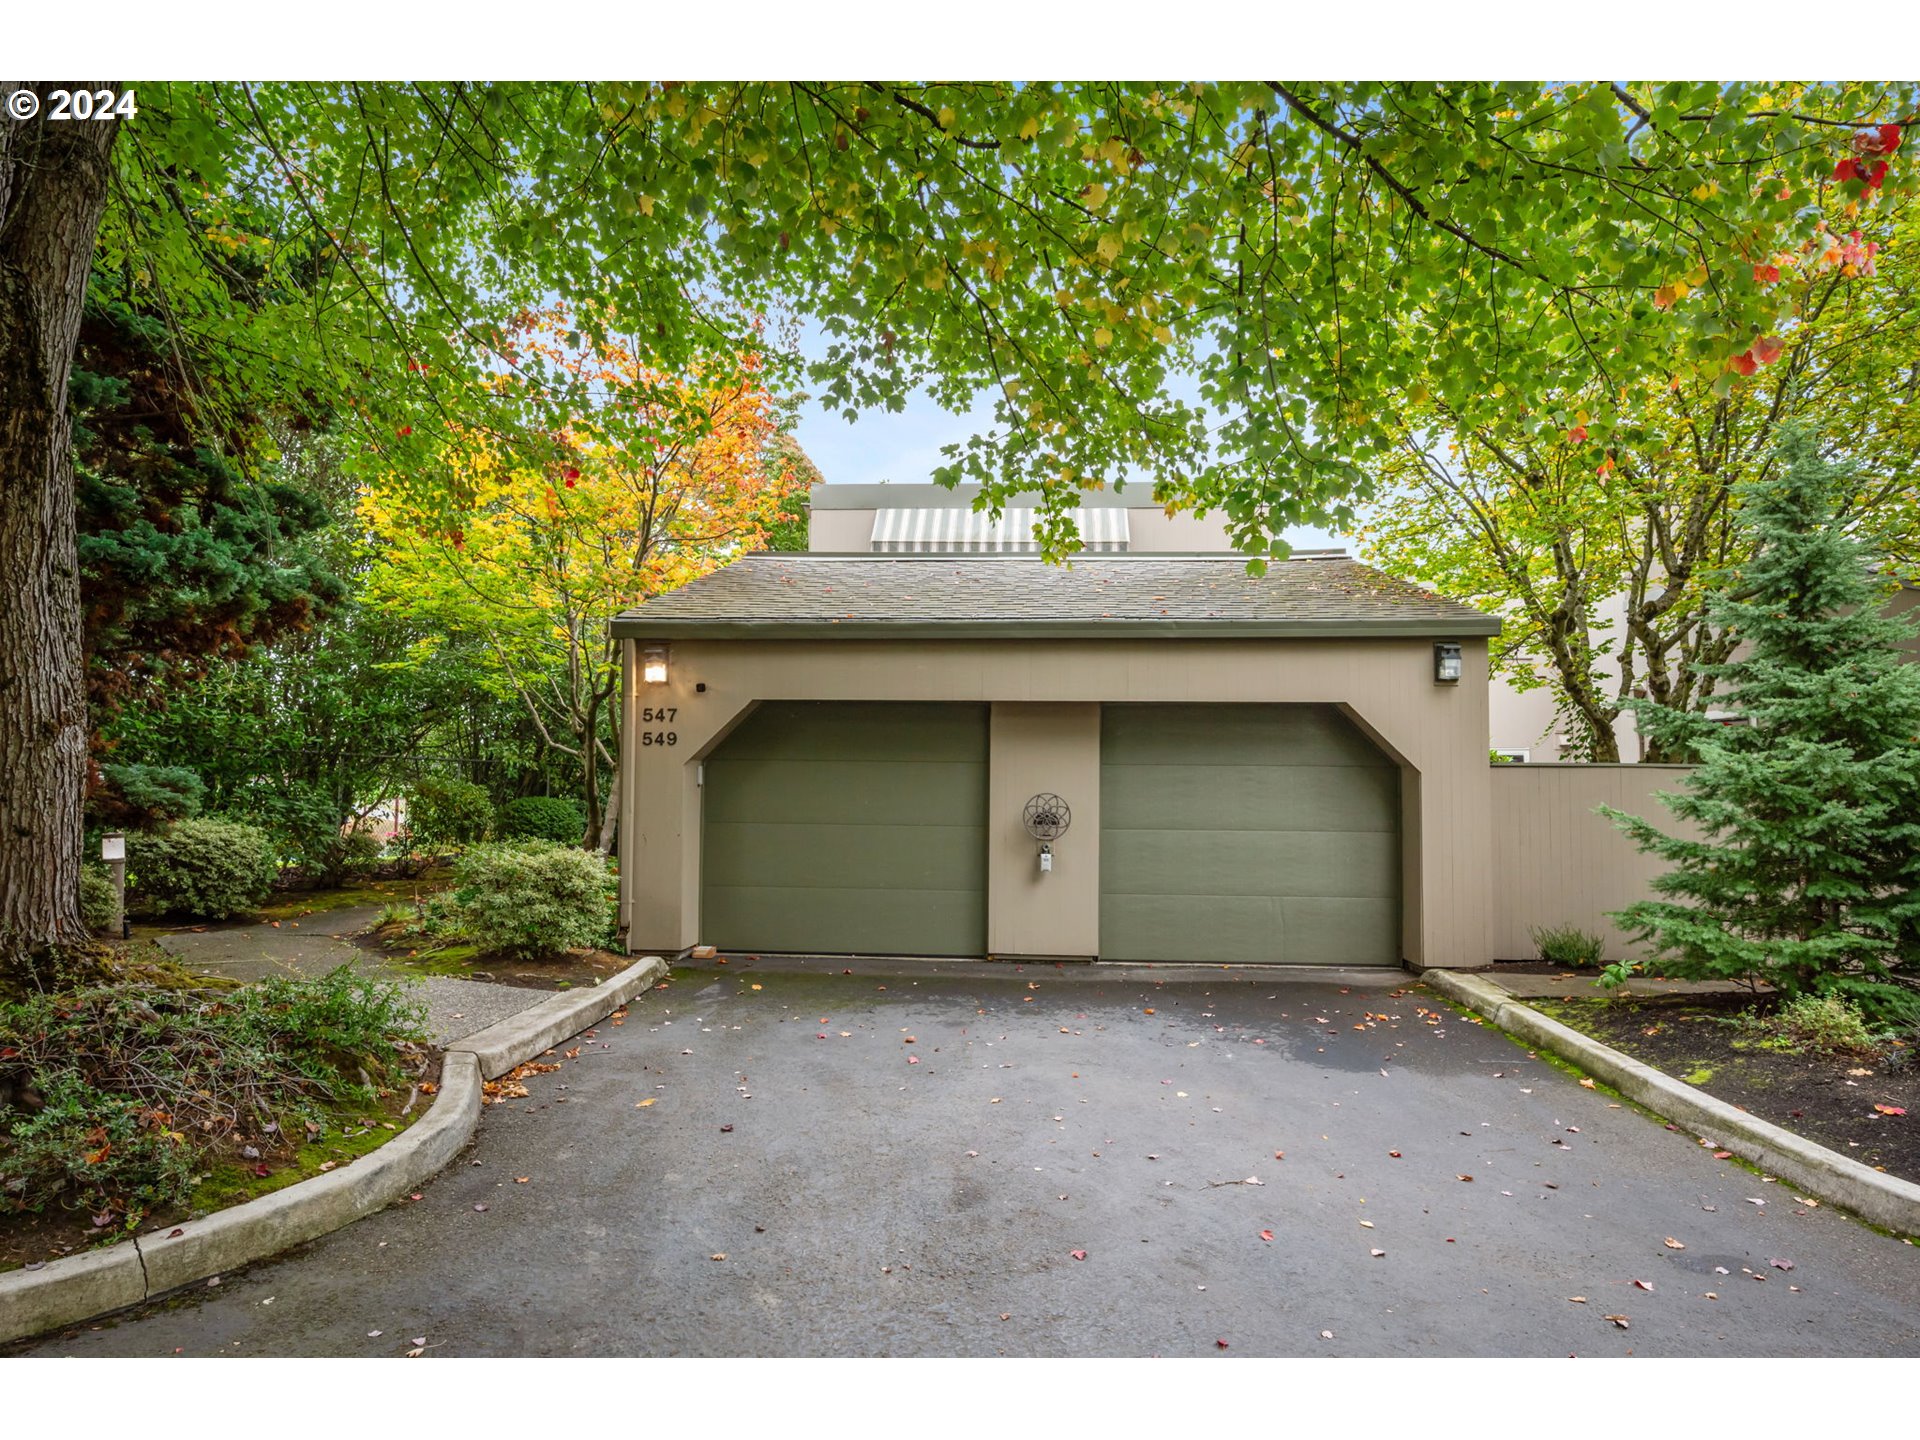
[84,1287]
[1883,1200]
[519,1038]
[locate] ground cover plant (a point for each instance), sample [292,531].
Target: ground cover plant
[120,1097]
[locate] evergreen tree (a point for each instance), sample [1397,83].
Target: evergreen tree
[1806,872]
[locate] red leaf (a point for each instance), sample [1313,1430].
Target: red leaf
[1847,169]
[1078,1254]
[1890,1109]
[1889,139]
[1221,1343]
[1879,174]
[1578,432]
[1768,348]
[1266,1234]
[1766,274]
[1743,363]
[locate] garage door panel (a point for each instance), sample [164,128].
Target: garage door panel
[1252,797]
[847,828]
[1297,735]
[835,856]
[808,730]
[1358,864]
[846,921]
[1249,834]
[849,792]
[1330,930]
[1217,929]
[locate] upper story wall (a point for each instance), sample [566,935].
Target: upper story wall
[841,516]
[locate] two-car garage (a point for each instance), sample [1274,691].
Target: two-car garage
[1245,834]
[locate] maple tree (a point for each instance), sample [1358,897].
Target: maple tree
[1603,570]
[1302,258]
[555,532]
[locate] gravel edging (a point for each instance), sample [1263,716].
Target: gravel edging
[1884,1200]
[85,1287]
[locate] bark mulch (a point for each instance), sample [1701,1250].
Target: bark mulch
[1827,1099]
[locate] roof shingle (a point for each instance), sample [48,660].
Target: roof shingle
[808,596]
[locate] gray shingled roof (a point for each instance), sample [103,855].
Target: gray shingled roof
[810,596]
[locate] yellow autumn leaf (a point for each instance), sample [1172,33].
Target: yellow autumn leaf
[642,1104]
[1029,127]
[1103,337]
[946,117]
[1110,246]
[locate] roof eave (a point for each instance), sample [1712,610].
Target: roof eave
[635,625]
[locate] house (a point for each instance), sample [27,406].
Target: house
[835,752]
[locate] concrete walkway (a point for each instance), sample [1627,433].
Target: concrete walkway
[322,941]
[1049,1161]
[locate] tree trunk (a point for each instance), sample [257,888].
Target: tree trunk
[53,189]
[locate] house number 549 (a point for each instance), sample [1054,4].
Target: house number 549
[659,737]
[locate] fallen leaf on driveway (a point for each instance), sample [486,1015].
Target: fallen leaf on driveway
[720,1256]
[1723,1154]
[480,1207]
[1266,1234]
[417,1352]
[1326,1334]
[1586,1084]
[1890,1110]
[1378,1253]
[1619,1320]
[1393,1154]
[1803,1200]
[1752,1201]
[1467,1178]
[522,1179]
[1576,1299]
[1646,1285]
[1672,1244]
[1366,1224]
[1781,1264]
[1078,1254]
[642,1104]
[1221,1343]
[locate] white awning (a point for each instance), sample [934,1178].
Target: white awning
[959,529]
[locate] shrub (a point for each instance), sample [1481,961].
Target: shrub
[208,869]
[304,822]
[1823,1024]
[542,817]
[443,812]
[124,1093]
[1569,945]
[147,795]
[97,903]
[533,897]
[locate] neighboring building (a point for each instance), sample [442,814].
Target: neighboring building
[1525,727]
[834,752]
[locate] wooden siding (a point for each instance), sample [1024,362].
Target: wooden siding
[1556,862]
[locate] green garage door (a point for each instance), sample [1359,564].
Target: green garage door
[848,829]
[1246,834]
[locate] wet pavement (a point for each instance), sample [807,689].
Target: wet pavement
[912,1161]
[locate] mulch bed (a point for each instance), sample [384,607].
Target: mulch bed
[1825,1099]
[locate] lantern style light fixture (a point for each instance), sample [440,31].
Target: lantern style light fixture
[1446,663]
[653,664]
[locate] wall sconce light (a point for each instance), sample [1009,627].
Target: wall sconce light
[1446,663]
[653,664]
[1046,818]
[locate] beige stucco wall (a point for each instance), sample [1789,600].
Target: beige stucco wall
[1437,733]
[1555,862]
[1037,748]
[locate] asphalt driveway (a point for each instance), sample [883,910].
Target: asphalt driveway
[915,1161]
